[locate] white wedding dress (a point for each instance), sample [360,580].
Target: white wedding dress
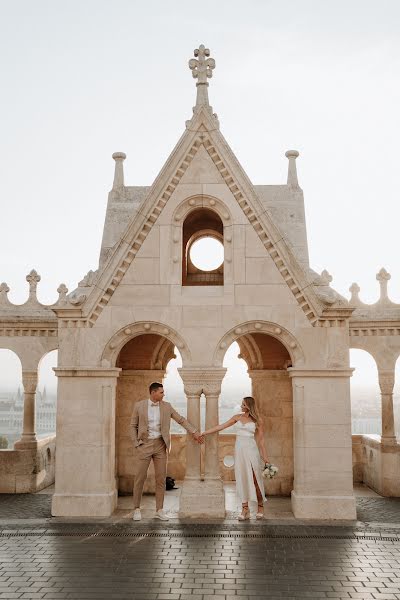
[247,460]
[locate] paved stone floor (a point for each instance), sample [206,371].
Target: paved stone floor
[116,558]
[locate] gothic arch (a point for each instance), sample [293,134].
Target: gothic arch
[272,329]
[128,332]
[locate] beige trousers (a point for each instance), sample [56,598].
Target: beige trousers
[156,450]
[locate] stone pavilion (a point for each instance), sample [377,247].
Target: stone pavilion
[117,331]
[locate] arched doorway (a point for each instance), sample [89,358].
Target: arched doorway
[143,359]
[267,360]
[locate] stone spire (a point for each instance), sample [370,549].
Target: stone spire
[119,158]
[202,67]
[292,170]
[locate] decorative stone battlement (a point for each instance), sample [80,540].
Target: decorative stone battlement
[384,309]
[32,308]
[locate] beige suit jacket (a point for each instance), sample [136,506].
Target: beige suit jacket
[138,427]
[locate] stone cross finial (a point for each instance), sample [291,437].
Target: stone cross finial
[383,277]
[4,289]
[326,277]
[292,169]
[119,158]
[62,293]
[202,67]
[355,290]
[33,279]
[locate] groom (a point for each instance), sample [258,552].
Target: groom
[149,430]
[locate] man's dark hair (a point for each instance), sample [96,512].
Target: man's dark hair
[154,386]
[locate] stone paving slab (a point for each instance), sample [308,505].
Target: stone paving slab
[119,559]
[198,564]
[38,506]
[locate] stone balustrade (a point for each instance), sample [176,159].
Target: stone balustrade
[28,470]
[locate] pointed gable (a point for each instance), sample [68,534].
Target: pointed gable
[202,152]
[202,169]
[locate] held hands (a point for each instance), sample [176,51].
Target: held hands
[198,437]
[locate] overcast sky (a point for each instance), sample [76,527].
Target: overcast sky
[83,79]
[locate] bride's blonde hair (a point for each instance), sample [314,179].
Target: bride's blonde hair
[253,411]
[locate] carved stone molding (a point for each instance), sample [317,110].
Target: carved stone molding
[28,328]
[202,201]
[374,329]
[257,221]
[320,372]
[126,333]
[273,329]
[86,371]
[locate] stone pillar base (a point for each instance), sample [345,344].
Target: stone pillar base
[324,507]
[205,499]
[26,444]
[84,505]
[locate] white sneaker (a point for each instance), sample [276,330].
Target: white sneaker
[137,514]
[160,514]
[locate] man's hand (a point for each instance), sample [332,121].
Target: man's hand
[198,437]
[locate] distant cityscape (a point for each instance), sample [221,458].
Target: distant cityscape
[366,411]
[12,414]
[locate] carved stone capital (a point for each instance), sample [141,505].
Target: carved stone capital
[30,381]
[198,381]
[386,381]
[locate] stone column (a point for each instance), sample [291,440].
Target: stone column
[28,438]
[202,498]
[193,390]
[192,447]
[386,384]
[211,462]
[85,483]
[323,470]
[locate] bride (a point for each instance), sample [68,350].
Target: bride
[249,435]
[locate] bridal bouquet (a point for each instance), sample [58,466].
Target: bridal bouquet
[269,471]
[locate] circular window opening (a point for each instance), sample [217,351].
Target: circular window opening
[207,253]
[229,461]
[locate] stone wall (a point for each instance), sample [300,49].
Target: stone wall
[272,390]
[132,386]
[30,470]
[376,464]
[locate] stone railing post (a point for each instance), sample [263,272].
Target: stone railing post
[386,384]
[28,438]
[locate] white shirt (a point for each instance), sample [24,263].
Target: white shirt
[154,419]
